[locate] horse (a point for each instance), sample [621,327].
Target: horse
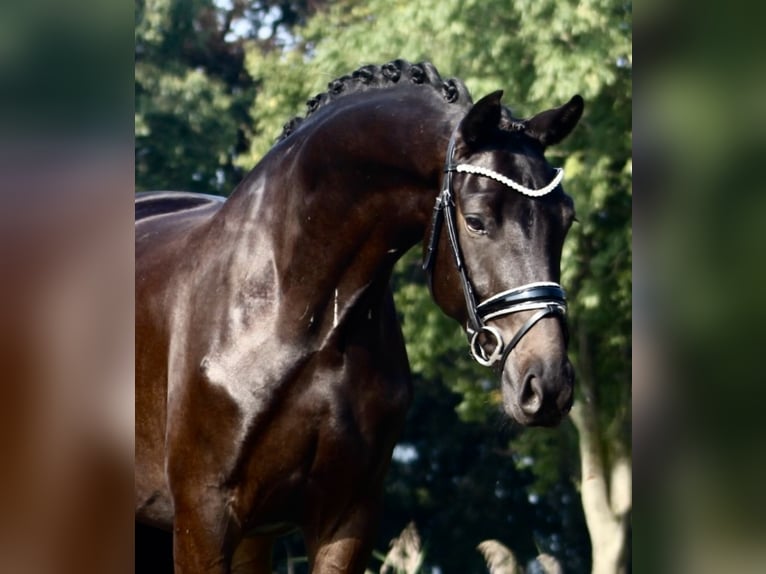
[272,378]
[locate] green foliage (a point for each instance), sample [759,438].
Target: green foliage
[282,88]
[193,93]
[185,132]
[550,452]
[188,98]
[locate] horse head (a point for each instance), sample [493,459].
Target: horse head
[502,218]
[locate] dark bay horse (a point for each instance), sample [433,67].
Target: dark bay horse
[271,375]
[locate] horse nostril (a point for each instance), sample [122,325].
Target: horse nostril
[531,395]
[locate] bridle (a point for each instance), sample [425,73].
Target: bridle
[545,297]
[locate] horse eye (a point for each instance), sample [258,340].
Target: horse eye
[475,224]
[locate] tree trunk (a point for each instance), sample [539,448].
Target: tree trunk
[605,493]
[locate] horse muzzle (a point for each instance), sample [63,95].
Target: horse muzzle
[537,376]
[539,394]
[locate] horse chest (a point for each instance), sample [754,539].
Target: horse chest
[326,419]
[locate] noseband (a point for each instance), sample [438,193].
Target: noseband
[545,297]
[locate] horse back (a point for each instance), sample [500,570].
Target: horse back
[152,203]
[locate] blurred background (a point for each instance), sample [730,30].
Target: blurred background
[90,113]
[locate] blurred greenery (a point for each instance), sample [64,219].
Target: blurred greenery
[48,63]
[700,240]
[211,98]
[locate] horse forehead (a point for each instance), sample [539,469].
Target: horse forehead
[510,152]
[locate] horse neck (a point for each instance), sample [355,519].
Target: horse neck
[345,196]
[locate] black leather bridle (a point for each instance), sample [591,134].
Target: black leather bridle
[546,298]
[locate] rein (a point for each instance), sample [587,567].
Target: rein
[546,297]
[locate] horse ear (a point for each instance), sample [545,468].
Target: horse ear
[481,118]
[552,126]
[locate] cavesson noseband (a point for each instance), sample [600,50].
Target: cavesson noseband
[545,297]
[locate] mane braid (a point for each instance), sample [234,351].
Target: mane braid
[372,77]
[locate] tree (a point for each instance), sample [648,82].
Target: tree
[192,91]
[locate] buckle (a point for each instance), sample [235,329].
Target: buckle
[477,346]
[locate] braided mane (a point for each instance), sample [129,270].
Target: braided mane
[372,77]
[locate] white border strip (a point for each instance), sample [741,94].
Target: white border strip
[524,307]
[517,290]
